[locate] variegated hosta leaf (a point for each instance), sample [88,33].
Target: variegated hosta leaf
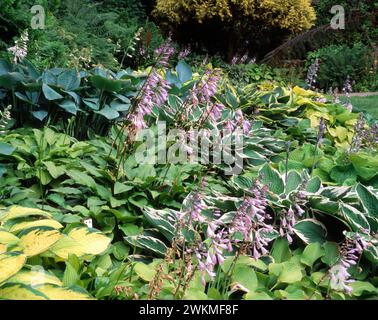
[8,238]
[36,223]
[92,241]
[10,264]
[38,240]
[19,291]
[66,246]
[35,278]
[17,212]
[80,242]
[54,292]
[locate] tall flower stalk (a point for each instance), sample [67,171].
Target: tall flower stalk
[20,48]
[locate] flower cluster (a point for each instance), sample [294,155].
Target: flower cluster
[164,53]
[321,131]
[212,255]
[206,89]
[350,252]
[20,48]
[184,53]
[347,90]
[287,223]
[364,136]
[5,119]
[250,222]
[155,93]
[238,122]
[312,74]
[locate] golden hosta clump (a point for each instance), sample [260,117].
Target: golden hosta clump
[27,233]
[292,15]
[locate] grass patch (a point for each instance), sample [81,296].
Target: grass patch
[367,105]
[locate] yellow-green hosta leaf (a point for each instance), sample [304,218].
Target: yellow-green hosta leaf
[54,292]
[10,264]
[37,223]
[3,248]
[8,238]
[35,278]
[92,241]
[17,212]
[65,246]
[19,291]
[38,240]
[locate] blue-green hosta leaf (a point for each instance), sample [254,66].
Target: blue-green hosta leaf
[148,243]
[314,185]
[93,103]
[355,218]
[109,113]
[272,179]
[50,93]
[310,230]
[184,71]
[368,199]
[293,181]
[69,106]
[69,80]
[6,149]
[40,115]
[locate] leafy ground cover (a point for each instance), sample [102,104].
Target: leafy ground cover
[82,217]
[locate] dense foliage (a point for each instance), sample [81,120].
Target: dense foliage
[180,176]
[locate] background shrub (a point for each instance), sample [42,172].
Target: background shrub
[337,62]
[228,26]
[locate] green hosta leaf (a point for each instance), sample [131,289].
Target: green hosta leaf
[82,178]
[360,287]
[257,296]
[54,171]
[106,84]
[6,149]
[245,277]
[70,276]
[331,253]
[355,218]
[121,188]
[342,173]
[148,243]
[368,199]
[272,179]
[146,272]
[291,272]
[280,250]
[311,253]
[311,230]
[50,94]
